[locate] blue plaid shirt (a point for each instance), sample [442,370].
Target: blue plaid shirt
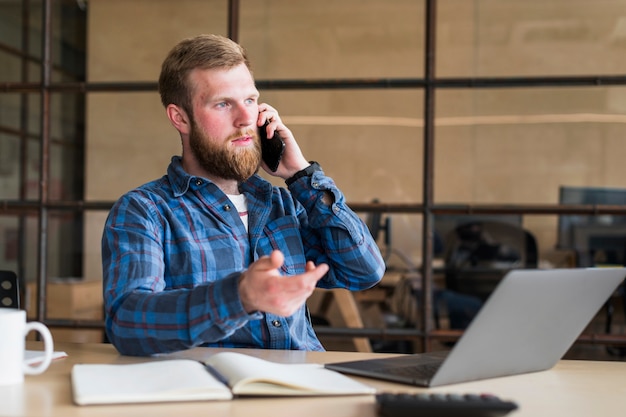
[173,251]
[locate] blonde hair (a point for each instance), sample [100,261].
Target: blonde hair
[204,52]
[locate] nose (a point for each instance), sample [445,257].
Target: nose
[246,115]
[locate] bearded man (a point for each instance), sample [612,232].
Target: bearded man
[211,254]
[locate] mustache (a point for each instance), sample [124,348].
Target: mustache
[248,132]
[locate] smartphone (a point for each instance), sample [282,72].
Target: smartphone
[271,149]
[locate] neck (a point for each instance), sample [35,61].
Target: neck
[227,186]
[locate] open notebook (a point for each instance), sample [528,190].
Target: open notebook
[219,377]
[527,324]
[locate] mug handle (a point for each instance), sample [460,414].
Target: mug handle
[48,348]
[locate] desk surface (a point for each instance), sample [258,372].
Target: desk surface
[572,388]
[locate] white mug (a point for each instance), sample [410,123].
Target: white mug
[13,331]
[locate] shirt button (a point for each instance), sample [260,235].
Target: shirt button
[276,323]
[198,182]
[315,184]
[227,207]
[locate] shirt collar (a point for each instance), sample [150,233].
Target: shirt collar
[180,180]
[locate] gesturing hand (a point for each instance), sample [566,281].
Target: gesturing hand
[262,288]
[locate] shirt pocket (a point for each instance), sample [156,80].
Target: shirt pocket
[283,234]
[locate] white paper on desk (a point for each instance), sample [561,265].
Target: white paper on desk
[251,376]
[156,381]
[34,357]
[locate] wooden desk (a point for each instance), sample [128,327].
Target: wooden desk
[572,389]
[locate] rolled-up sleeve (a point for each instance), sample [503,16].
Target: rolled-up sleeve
[334,234]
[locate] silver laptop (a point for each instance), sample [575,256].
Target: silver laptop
[528,323]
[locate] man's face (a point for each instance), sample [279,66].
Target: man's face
[223,133]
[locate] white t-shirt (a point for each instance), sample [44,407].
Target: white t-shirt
[241,204]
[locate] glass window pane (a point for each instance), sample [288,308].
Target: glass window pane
[20,112]
[9,166]
[64,246]
[328,39]
[11,105]
[144,32]
[530,38]
[519,146]
[19,144]
[128,131]
[19,237]
[9,243]
[10,25]
[18,244]
[10,67]
[66,160]
[69,39]
[33,167]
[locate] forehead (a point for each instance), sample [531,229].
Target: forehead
[222,82]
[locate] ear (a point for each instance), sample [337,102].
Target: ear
[179,119]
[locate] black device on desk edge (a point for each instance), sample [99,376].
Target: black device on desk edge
[442,405]
[271,149]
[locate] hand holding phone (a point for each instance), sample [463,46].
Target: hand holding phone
[271,149]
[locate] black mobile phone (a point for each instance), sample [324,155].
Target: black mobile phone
[271,149]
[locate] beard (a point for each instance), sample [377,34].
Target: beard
[223,160]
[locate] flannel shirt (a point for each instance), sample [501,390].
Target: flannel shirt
[173,251]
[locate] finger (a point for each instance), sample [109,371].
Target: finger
[274,261]
[320,270]
[310,265]
[261,118]
[314,273]
[269,114]
[264,107]
[295,290]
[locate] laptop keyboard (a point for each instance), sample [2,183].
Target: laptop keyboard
[420,371]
